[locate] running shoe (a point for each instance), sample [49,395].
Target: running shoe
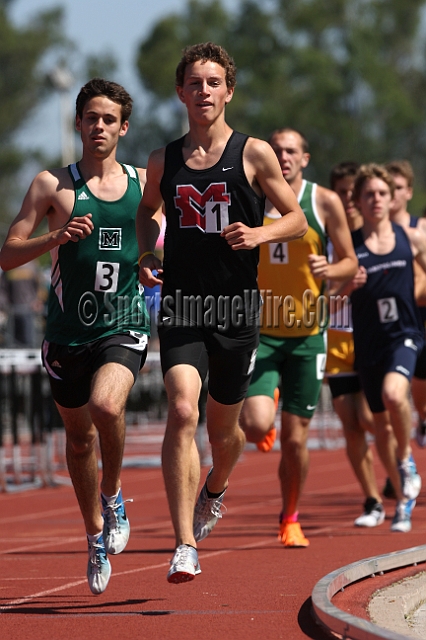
[421,433]
[402,519]
[373,515]
[411,482]
[116,525]
[268,441]
[98,567]
[184,565]
[388,490]
[291,535]
[207,512]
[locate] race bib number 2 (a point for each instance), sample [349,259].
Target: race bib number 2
[107,276]
[388,310]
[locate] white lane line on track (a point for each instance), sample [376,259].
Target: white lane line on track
[69,585]
[42,545]
[166,523]
[37,515]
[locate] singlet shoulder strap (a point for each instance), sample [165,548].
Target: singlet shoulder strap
[131,171]
[174,152]
[357,238]
[76,176]
[173,160]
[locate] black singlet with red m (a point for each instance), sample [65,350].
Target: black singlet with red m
[198,205]
[384,309]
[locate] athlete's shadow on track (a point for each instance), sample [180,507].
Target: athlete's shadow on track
[53,607]
[308,624]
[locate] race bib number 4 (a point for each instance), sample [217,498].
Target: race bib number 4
[278,252]
[107,276]
[388,310]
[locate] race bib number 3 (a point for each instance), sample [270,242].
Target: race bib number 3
[107,276]
[278,252]
[388,310]
[217,216]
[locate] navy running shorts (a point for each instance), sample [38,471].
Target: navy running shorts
[400,357]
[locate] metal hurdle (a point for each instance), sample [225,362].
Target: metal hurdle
[27,413]
[32,438]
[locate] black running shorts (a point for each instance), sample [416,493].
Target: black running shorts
[229,361]
[343,385]
[71,369]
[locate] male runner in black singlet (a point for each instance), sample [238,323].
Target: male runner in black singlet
[213,183]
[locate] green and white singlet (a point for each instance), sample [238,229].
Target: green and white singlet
[95,290]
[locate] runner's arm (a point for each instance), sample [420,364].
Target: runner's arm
[263,171]
[149,219]
[19,247]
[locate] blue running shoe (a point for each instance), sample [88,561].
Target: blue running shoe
[98,567]
[116,525]
[411,482]
[402,519]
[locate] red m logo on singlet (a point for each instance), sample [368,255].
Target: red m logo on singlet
[208,211]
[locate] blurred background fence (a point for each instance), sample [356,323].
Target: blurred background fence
[32,442]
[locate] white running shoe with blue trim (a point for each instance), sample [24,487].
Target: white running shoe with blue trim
[98,567]
[402,519]
[411,482]
[116,524]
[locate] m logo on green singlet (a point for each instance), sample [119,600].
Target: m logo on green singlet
[110,238]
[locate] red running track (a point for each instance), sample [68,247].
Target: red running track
[250,587]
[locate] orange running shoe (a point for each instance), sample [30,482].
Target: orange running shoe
[291,535]
[276,398]
[268,441]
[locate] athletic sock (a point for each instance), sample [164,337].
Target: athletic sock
[110,499]
[211,495]
[293,518]
[93,538]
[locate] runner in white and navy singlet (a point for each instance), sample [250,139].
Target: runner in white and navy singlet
[384,312]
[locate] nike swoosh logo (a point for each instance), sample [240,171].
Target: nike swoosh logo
[227,168]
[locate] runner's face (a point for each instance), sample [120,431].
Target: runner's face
[288,148]
[204,91]
[403,194]
[375,199]
[344,187]
[101,126]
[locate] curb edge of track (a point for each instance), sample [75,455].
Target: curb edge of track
[343,623]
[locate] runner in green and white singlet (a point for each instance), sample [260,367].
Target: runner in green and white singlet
[97,326]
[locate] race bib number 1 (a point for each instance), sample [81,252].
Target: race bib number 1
[107,276]
[388,310]
[217,216]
